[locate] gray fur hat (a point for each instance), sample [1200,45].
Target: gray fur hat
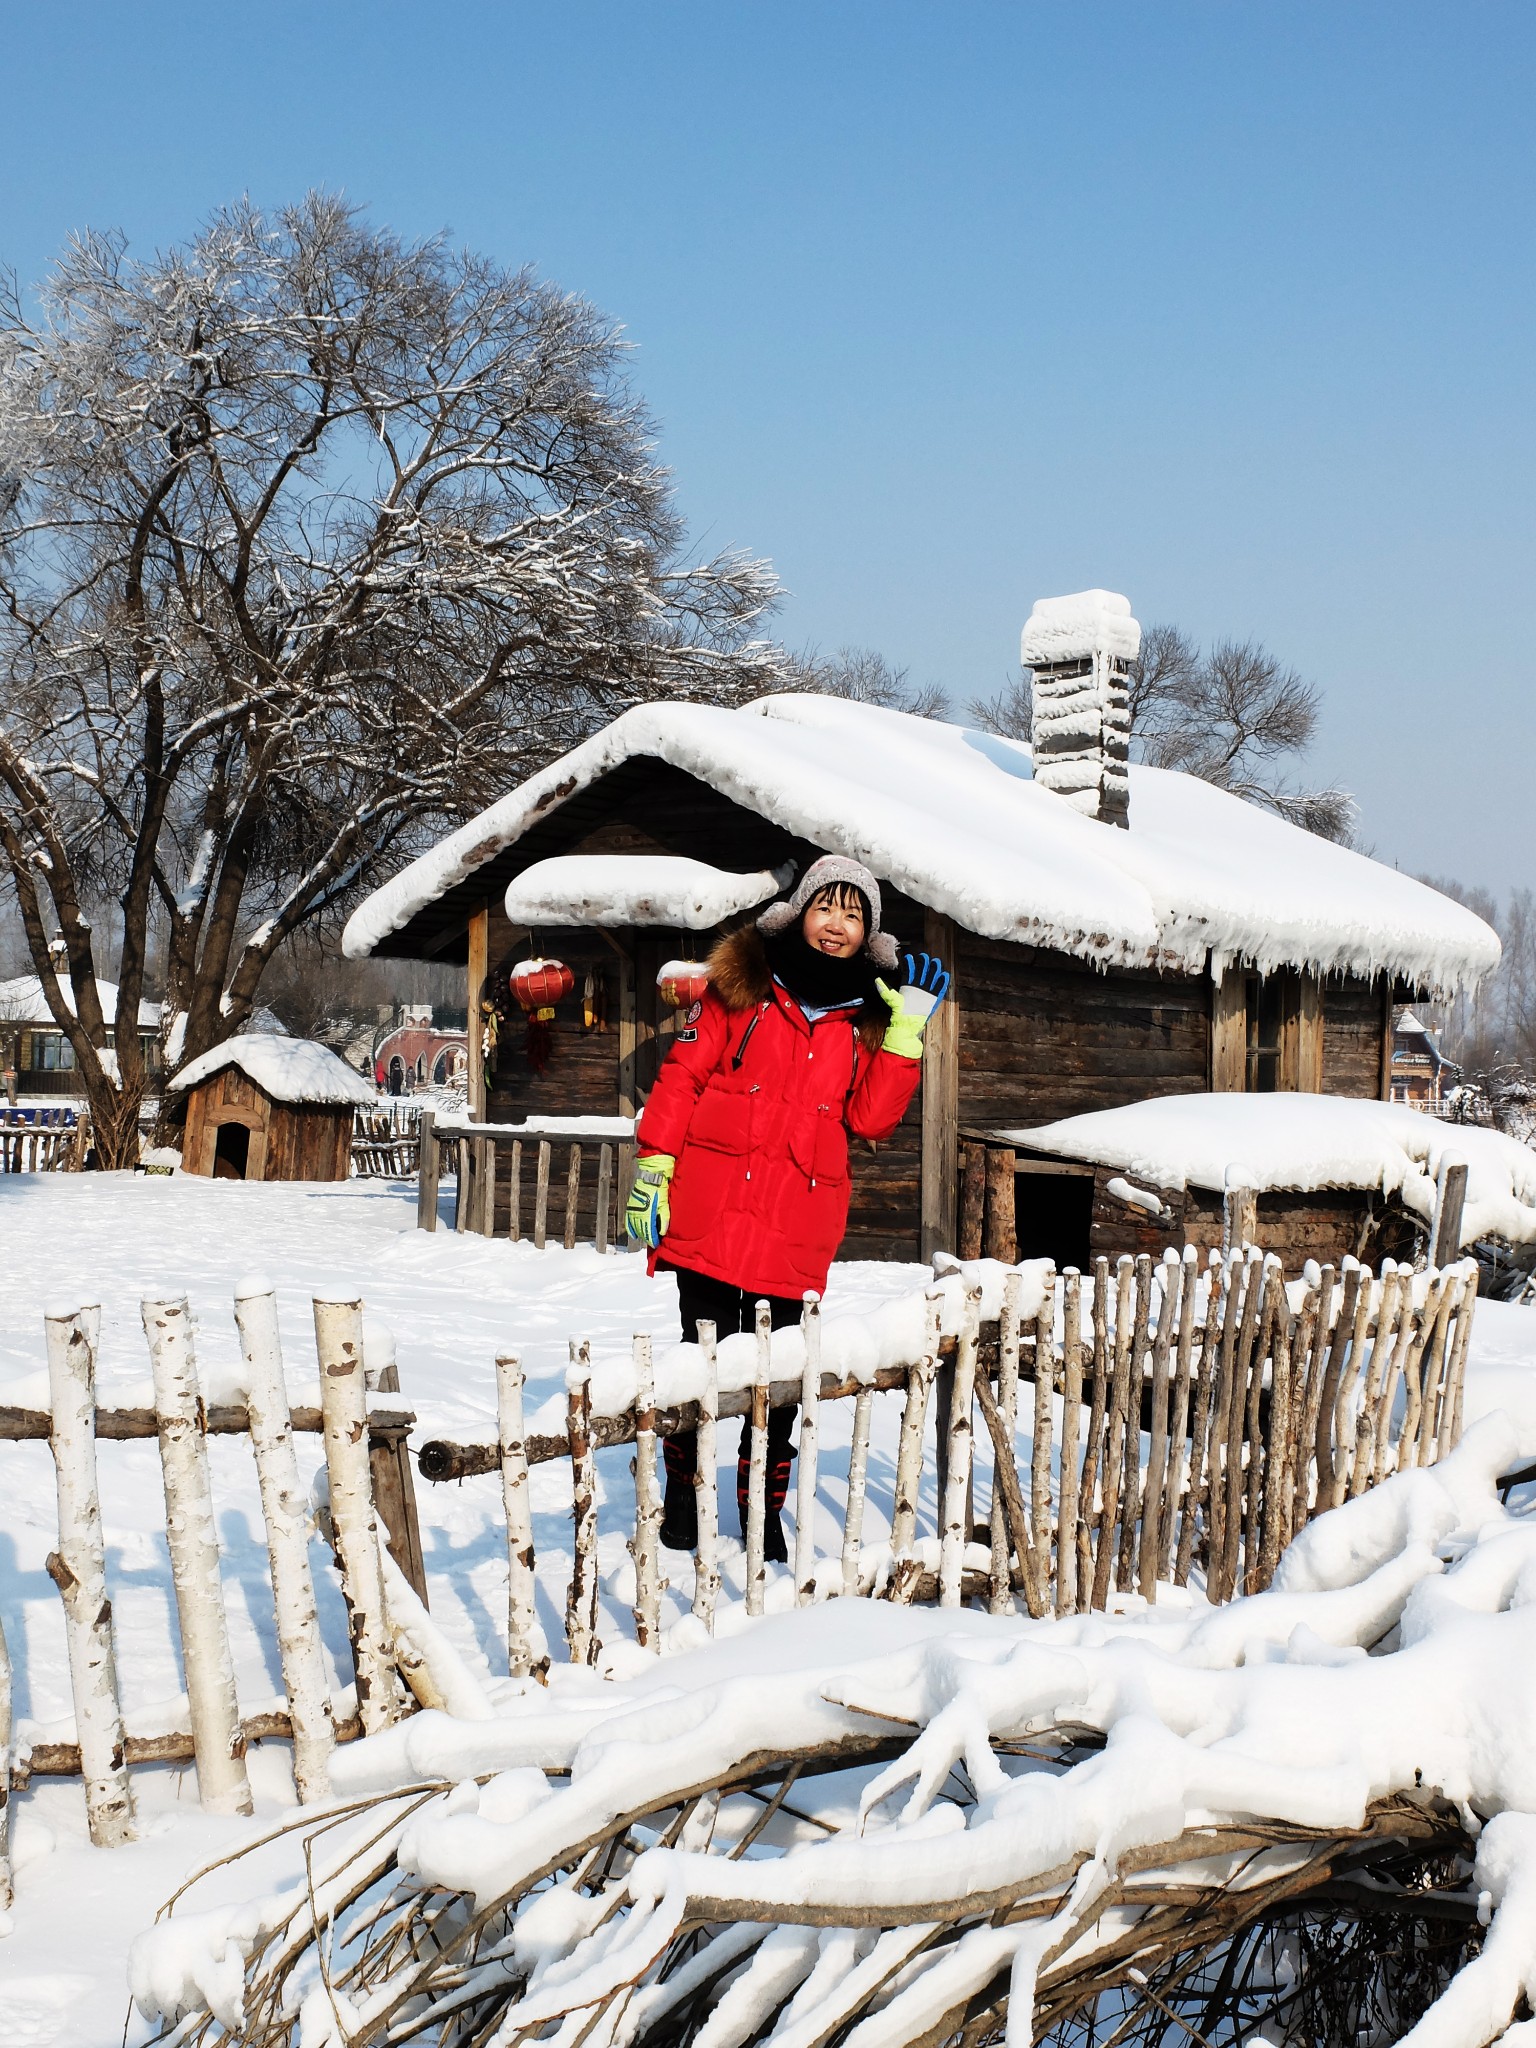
[832,867]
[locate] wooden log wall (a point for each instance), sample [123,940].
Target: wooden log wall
[1355,1034]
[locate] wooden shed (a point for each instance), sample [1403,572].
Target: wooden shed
[1115,932]
[261,1107]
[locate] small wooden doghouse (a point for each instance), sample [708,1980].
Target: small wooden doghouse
[1115,932]
[261,1107]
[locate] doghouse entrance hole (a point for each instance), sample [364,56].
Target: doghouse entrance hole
[231,1151]
[1052,1214]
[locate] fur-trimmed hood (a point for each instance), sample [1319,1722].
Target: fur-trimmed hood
[740,976]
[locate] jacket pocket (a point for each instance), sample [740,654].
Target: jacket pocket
[721,1122]
[818,1144]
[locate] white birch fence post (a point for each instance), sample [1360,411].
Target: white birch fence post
[757,1467]
[810,1429]
[78,1568]
[344,1427]
[646,1549]
[954,1535]
[581,1601]
[914,1422]
[284,1507]
[218,1741]
[7,1889]
[513,1450]
[858,1474]
[706,1481]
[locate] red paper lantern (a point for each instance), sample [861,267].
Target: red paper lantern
[537,985]
[681,983]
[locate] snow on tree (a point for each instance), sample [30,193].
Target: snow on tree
[311,540]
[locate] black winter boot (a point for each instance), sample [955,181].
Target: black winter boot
[680,1513]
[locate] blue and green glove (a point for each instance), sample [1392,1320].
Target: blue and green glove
[648,1212]
[926,986]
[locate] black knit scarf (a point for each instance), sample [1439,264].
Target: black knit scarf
[819,980]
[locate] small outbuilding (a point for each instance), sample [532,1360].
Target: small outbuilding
[268,1108]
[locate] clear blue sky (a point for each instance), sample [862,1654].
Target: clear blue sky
[947,307]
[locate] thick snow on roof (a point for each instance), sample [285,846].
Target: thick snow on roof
[1305,1142]
[954,818]
[22,1002]
[290,1069]
[642,888]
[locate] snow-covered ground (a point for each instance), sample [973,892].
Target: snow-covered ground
[451,1304]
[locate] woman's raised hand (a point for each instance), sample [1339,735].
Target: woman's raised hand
[926,986]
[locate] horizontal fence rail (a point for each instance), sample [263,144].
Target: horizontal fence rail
[566,1183]
[43,1141]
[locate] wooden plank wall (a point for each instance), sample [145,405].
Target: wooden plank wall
[1043,1036]
[1353,1037]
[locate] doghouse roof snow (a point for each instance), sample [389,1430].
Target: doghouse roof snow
[1303,1144]
[954,818]
[292,1070]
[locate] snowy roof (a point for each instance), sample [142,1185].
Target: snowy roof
[1304,1143]
[953,817]
[289,1069]
[642,888]
[22,1002]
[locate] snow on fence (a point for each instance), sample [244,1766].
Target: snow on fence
[1180,1419]
[42,1141]
[535,1186]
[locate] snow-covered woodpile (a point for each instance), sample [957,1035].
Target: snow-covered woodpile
[894,1827]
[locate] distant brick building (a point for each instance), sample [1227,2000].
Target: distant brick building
[1418,1064]
[417,1053]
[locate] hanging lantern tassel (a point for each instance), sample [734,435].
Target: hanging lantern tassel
[538,985]
[681,983]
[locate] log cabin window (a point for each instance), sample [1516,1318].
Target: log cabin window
[1270,998]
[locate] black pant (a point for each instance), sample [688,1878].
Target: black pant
[733,1309]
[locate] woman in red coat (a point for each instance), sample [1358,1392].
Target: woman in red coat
[741,1187]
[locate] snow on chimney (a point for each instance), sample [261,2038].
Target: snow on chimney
[1080,649]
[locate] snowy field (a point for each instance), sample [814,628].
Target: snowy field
[451,1303]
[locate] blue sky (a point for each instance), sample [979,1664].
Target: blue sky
[947,307]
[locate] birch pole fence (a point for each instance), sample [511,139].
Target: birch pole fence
[344,1412]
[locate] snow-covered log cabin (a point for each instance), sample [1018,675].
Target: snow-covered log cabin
[1116,932]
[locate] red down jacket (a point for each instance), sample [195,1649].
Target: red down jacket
[756,1108]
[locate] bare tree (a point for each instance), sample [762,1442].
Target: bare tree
[1492,1028]
[311,540]
[866,677]
[1232,717]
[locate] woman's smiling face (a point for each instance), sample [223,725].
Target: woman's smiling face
[834,922]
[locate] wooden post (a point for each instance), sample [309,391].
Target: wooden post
[1375,1377]
[647,1503]
[1092,1482]
[463,1196]
[1071,1427]
[914,1426]
[1000,1596]
[627,1047]
[1239,1217]
[515,1193]
[858,1475]
[1180,1464]
[1450,1202]
[572,1197]
[541,1196]
[806,1476]
[344,1432]
[1117,1417]
[1150,1541]
[1229,1032]
[522,1607]
[426,1173]
[954,1532]
[217,1737]
[1199,1491]
[757,1468]
[941,1102]
[1045,1388]
[284,1508]
[604,1195]
[478,968]
[1384,1086]
[706,1481]
[581,1602]
[1130,1491]
[485,1186]
[999,1232]
[973,1193]
[78,1568]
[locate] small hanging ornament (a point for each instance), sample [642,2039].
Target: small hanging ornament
[537,985]
[681,983]
[589,1004]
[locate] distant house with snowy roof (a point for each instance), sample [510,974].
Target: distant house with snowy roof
[43,1058]
[1418,1064]
[1116,932]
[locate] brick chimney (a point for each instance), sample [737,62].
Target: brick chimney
[1080,649]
